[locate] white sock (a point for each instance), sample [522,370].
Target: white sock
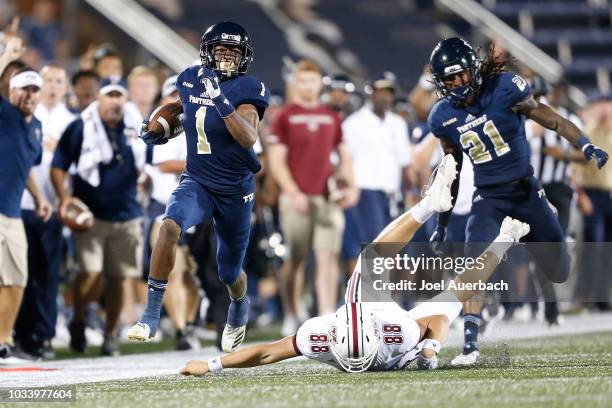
[500,246]
[420,211]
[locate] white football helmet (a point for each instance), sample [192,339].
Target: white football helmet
[354,337]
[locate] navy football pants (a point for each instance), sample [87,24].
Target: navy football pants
[523,200]
[191,204]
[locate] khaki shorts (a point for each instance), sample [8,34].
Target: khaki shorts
[323,226]
[13,252]
[184,262]
[114,248]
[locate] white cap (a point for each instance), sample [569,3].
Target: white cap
[26,78]
[169,86]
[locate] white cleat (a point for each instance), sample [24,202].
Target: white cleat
[465,360]
[439,191]
[512,230]
[139,332]
[232,338]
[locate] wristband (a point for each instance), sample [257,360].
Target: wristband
[582,142]
[224,106]
[432,344]
[214,364]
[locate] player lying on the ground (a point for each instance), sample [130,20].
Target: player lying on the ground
[381,336]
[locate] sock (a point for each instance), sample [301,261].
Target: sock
[471,326]
[155,295]
[238,313]
[420,211]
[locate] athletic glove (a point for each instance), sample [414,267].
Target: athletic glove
[151,138]
[437,239]
[592,151]
[424,363]
[213,91]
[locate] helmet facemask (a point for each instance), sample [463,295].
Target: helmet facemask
[354,338]
[224,67]
[460,94]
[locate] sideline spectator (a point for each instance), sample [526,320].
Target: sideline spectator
[103,144]
[377,140]
[143,89]
[86,85]
[20,135]
[596,206]
[302,139]
[35,327]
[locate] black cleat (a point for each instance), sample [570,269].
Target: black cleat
[78,341]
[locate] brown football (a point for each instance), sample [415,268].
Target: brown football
[166,120]
[78,217]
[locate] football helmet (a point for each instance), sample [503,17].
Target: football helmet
[449,57]
[229,34]
[354,337]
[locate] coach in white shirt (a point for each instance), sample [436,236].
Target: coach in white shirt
[35,326]
[378,142]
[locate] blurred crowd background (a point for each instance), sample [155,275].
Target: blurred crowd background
[358,64]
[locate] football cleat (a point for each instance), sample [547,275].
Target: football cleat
[465,360]
[512,230]
[140,332]
[232,338]
[439,192]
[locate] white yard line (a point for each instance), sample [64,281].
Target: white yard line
[85,370]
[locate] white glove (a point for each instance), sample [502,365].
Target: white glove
[424,363]
[212,87]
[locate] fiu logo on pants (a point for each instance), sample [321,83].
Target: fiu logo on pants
[248,197]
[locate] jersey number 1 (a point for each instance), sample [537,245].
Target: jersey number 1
[203,145]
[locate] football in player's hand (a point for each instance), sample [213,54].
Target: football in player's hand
[166,120]
[77,216]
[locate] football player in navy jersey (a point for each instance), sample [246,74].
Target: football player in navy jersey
[482,112]
[222,107]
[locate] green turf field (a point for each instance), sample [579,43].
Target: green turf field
[571,371]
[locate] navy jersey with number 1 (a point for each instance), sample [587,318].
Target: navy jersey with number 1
[214,158]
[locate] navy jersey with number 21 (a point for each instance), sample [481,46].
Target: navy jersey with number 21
[489,131]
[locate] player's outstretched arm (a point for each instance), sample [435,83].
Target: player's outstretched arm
[258,355]
[547,117]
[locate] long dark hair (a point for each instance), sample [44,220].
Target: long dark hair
[493,64]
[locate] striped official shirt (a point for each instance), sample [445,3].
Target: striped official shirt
[546,168]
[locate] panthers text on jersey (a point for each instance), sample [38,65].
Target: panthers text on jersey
[488,130]
[399,338]
[214,158]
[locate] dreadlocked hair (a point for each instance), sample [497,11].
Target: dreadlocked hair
[494,63]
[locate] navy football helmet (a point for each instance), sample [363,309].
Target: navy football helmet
[449,57]
[228,34]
